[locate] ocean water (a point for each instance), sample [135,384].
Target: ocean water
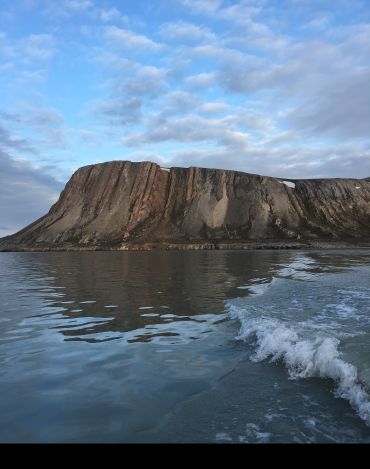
[216,347]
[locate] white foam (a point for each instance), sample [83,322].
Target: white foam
[299,268]
[272,416]
[254,431]
[304,357]
[223,437]
[358,187]
[288,183]
[146,307]
[260,288]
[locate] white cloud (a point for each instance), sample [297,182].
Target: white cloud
[317,23]
[44,128]
[176,102]
[27,77]
[129,83]
[207,7]
[119,111]
[109,14]
[7,66]
[201,80]
[342,110]
[34,117]
[297,163]
[38,46]
[26,193]
[13,142]
[213,108]
[35,47]
[186,32]
[126,39]
[90,137]
[67,8]
[189,129]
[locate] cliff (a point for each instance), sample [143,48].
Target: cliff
[121,204]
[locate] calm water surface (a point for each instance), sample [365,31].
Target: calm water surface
[260,346]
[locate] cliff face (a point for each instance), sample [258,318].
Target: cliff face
[115,203]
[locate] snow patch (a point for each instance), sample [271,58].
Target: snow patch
[165,169]
[288,183]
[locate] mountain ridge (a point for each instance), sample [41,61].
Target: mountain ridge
[123,205]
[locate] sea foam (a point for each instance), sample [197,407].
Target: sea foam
[304,356]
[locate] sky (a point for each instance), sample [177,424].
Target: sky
[274,87]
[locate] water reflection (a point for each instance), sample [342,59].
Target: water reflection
[105,295]
[99,346]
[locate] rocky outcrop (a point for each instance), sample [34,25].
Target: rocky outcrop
[121,204]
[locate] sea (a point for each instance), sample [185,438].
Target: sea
[265,346]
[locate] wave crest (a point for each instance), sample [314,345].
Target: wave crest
[304,357]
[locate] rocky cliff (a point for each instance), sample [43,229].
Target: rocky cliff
[121,204]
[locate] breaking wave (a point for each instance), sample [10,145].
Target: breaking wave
[304,354]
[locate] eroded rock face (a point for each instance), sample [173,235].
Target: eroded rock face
[120,202]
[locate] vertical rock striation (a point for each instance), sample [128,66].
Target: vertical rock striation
[108,204]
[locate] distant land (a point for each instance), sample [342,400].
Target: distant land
[124,205]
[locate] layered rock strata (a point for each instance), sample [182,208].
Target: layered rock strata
[123,205]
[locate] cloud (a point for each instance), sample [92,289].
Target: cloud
[7,66]
[177,102]
[44,128]
[90,137]
[7,51]
[119,111]
[128,40]
[207,7]
[269,86]
[183,31]
[319,87]
[319,22]
[242,13]
[190,129]
[201,80]
[39,47]
[131,86]
[26,193]
[213,108]
[67,8]
[107,15]
[341,111]
[11,141]
[213,51]
[147,80]
[129,77]
[27,78]
[345,161]
[34,117]
[31,48]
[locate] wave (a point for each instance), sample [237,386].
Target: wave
[304,356]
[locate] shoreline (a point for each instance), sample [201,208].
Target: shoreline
[196,246]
